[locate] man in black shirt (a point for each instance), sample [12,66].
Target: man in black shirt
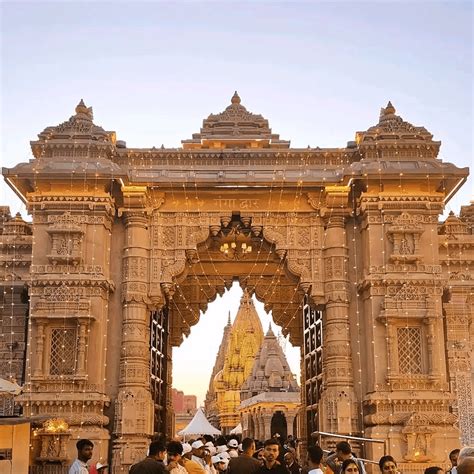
[271,449]
[153,463]
[245,463]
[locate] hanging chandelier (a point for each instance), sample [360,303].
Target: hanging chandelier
[235,239]
[235,249]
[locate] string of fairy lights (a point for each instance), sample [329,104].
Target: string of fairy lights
[298,194]
[279,192]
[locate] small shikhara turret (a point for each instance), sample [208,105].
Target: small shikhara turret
[270,372]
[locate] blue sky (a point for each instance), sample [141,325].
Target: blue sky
[319,71]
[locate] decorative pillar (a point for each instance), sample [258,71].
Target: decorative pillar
[81,349]
[134,409]
[251,426]
[256,425]
[267,425]
[38,367]
[392,367]
[337,397]
[290,419]
[261,428]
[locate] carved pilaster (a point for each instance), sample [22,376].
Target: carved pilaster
[458,318]
[290,419]
[81,349]
[134,409]
[39,356]
[338,396]
[256,424]
[267,425]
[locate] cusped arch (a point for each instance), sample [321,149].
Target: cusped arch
[194,272]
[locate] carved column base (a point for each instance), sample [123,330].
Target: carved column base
[133,427]
[134,412]
[414,447]
[337,413]
[128,450]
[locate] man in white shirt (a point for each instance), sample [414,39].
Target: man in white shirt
[315,455]
[233,444]
[202,456]
[84,454]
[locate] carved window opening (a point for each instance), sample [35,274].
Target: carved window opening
[159,366]
[63,351]
[410,356]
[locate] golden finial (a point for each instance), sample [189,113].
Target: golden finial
[388,110]
[81,108]
[235,98]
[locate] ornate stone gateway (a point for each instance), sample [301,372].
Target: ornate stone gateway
[127,246]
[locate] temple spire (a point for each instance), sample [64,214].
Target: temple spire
[245,339]
[211,397]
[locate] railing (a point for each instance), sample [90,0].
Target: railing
[321,434]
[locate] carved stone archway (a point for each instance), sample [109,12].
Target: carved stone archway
[120,233]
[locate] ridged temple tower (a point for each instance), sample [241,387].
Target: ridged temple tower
[270,397]
[212,411]
[244,341]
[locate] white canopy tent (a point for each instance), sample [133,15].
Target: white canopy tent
[237,429]
[199,426]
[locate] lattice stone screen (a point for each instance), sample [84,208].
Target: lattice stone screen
[63,351]
[409,350]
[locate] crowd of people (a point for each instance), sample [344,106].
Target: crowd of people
[206,455]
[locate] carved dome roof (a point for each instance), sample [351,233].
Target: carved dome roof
[79,127]
[235,127]
[392,126]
